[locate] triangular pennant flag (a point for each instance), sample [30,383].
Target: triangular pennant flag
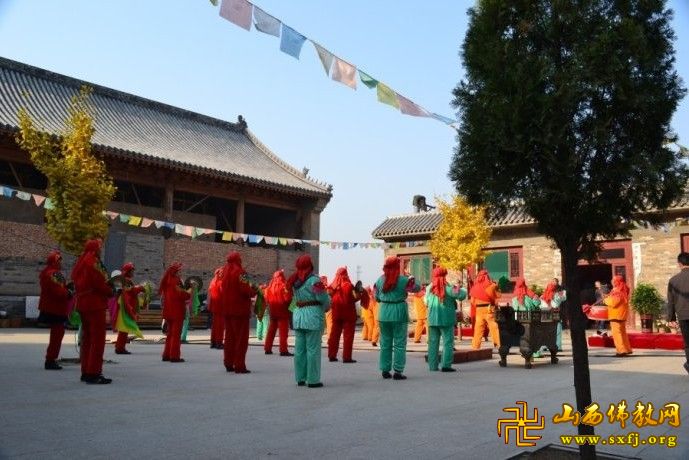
[38,199]
[447,121]
[282,241]
[291,41]
[271,240]
[134,221]
[145,222]
[259,238]
[237,12]
[227,236]
[325,56]
[387,95]
[345,73]
[289,241]
[179,229]
[252,239]
[407,107]
[214,2]
[124,218]
[7,192]
[169,225]
[315,243]
[24,196]
[159,223]
[266,23]
[367,80]
[345,245]
[112,215]
[48,204]
[333,245]
[240,236]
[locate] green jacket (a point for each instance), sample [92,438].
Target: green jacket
[310,317]
[393,304]
[528,305]
[443,313]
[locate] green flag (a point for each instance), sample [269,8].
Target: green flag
[367,80]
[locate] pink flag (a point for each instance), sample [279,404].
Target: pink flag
[112,215]
[145,222]
[238,12]
[38,199]
[345,73]
[407,107]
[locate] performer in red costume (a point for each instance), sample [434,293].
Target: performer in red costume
[278,298]
[174,298]
[92,292]
[343,307]
[130,301]
[236,308]
[215,308]
[55,294]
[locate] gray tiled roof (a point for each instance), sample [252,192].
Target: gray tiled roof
[425,223]
[133,126]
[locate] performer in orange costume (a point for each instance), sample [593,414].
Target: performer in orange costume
[55,295]
[329,313]
[484,295]
[373,306]
[278,298]
[174,298]
[618,308]
[367,319]
[215,309]
[130,293]
[236,308]
[421,313]
[343,300]
[92,293]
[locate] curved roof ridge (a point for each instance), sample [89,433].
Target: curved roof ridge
[284,165]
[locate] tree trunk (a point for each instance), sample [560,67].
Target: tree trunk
[580,355]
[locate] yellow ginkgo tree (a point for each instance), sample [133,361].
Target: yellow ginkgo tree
[79,186]
[461,236]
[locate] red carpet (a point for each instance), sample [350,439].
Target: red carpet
[642,340]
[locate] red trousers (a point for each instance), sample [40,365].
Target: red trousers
[236,342]
[173,341]
[283,325]
[217,329]
[57,332]
[347,329]
[121,342]
[92,341]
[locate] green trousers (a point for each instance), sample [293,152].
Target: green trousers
[262,326]
[185,328]
[393,345]
[307,356]
[448,334]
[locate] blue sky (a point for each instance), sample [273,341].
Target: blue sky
[182,53]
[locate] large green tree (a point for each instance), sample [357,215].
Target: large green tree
[565,110]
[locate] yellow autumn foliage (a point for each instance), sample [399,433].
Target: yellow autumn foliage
[462,234]
[79,187]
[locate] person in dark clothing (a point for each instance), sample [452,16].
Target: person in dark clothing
[678,301]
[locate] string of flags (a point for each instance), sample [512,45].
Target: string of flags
[243,13]
[196,232]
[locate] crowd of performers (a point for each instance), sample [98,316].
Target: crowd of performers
[304,299]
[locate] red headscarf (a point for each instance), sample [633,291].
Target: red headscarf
[54,259]
[87,258]
[170,276]
[521,290]
[340,277]
[549,292]
[127,270]
[277,288]
[233,268]
[391,271]
[304,266]
[439,282]
[481,282]
[620,287]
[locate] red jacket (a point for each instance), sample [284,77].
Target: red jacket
[215,293]
[174,299]
[54,293]
[278,302]
[91,285]
[343,302]
[236,296]
[130,294]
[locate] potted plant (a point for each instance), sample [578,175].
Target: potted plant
[648,303]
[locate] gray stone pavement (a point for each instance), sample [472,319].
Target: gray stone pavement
[197,410]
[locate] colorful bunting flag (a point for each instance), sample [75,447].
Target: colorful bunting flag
[227,236]
[214,2]
[145,222]
[387,95]
[159,223]
[367,80]
[325,56]
[266,23]
[134,220]
[38,199]
[447,121]
[345,73]
[291,41]
[237,12]
[7,192]
[407,107]
[24,196]
[252,239]
[282,241]
[124,218]
[48,204]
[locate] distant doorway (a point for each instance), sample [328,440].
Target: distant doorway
[589,274]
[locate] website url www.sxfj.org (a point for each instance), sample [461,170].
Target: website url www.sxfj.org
[631,439]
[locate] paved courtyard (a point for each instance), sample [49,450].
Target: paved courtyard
[197,410]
